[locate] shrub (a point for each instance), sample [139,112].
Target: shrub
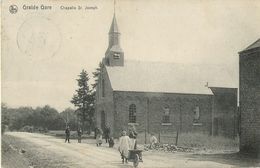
[27,128]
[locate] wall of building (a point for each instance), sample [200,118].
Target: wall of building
[104,103]
[150,112]
[250,101]
[225,112]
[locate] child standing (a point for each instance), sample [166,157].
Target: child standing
[124,145]
[153,141]
[99,137]
[111,142]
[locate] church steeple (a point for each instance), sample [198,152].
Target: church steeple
[114,55]
[114,27]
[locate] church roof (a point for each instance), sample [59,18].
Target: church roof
[114,27]
[256,44]
[170,77]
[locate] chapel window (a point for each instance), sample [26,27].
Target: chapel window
[116,55]
[132,113]
[166,114]
[196,115]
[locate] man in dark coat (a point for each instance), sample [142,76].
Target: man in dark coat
[79,135]
[95,132]
[107,133]
[67,132]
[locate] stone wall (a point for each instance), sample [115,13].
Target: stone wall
[150,112]
[104,103]
[225,112]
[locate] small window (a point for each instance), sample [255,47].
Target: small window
[116,55]
[196,116]
[166,114]
[132,113]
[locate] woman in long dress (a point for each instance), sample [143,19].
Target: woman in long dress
[99,137]
[124,146]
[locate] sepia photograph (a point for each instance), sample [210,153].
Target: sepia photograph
[130,84]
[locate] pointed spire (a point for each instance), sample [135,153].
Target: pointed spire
[114,55]
[114,27]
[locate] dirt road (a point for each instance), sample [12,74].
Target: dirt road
[48,151]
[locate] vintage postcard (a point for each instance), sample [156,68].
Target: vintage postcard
[121,83]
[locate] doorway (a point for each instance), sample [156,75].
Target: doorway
[103,120]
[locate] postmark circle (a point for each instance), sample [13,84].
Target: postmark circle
[38,38]
[13,9]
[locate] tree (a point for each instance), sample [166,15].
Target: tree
[69,117]
[19,117]
[83,100]
[4,116]
[44,117]
[96,74]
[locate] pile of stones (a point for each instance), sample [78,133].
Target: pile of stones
[167,148]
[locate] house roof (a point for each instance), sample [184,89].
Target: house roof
[256,44]
[170,77]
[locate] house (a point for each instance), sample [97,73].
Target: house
[249,98]
[160,97]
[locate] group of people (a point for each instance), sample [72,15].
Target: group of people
[99,136]
[126,142]
[67,133]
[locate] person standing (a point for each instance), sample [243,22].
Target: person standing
[111,142]
[79,135]
[107,133]
[95,132]
[124,146]
[99,137]
[67,132]
[133,136]
[153,141]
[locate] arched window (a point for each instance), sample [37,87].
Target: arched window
[132,113]
[196,116]
[166,114]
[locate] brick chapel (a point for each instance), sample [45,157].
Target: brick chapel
[164,97]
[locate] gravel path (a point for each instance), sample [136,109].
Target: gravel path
[48,151]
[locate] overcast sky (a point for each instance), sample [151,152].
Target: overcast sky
[43,51]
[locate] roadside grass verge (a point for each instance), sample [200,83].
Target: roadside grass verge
[206,142]
[196,142]
[10,156]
